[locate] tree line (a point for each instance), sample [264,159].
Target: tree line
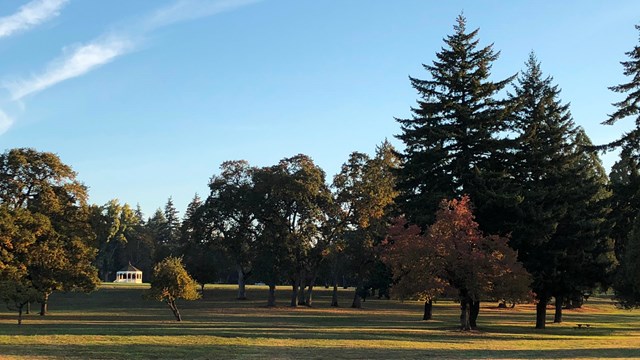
[497,195]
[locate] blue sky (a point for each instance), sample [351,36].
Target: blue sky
[146,98]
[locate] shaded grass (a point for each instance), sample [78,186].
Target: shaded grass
[117,323]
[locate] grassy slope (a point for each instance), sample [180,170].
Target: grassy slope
[116,323]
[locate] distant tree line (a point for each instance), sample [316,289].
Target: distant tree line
[497,195]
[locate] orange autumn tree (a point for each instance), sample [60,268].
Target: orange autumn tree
[415,264]
[454,252]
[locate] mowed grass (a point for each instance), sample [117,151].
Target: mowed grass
[115,322]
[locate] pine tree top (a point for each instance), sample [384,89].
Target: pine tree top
[630,106]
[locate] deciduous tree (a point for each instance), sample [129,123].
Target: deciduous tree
[473,262]
[228,217]
[40,184]
[452,253]
[365,190]
[294,201]
[171,282]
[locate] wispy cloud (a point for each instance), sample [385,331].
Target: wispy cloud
[5,122]
[185,10]
[75,62]
[79,60]
[29,15]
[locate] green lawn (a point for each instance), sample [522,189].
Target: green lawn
[116,323]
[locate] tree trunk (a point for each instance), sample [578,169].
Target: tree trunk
[28,311]
[294,293]
[302,286]
[309,298]
[44,305]
[474,311]
[541,314]
[241,284]
[576,303]
[428,310]
[334,296]
[465,308]
[357,300]
[271,300]
[202,290]
[20,313]
[557,318]
[174,308]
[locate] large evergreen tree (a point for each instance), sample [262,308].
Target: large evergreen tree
[629,107]
[201,258]
[452,138]
[557,223]
[625,185]
[582,235]
[625,229]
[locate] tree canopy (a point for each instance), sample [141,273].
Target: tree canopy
[171,282]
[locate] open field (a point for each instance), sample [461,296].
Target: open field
[116,323]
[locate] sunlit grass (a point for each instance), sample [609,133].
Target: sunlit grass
[117,323]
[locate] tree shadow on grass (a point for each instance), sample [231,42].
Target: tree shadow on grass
[290,351]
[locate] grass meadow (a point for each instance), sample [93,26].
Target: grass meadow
[115,322]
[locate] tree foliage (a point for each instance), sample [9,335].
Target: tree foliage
[294,203]
[627,283]
[453,136]
[38,187]
[171,282]
[558,220]
[453,252]
[629,106]
[227,219]
[365,190]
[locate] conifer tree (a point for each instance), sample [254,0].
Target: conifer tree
[625,227]
[452,138]
[557,224]
[629,107]
[627,285]
[582,236]
[541,160]
[625,198]
[173,226]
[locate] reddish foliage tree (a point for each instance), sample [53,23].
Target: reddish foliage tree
[454,252]
[414,263]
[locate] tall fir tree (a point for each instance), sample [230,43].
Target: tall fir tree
[453,136]
[157,226]
[627,285]
[625,227]
[582,235]
[625,199]
[542,157]
[557,223]
[629,107]
[173,224]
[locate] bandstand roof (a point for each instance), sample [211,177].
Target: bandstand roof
[131,268]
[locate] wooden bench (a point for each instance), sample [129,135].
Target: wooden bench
[583,326]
